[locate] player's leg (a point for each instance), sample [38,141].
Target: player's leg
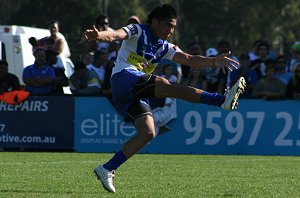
[140,114]
[228,101]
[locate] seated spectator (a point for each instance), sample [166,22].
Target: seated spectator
[270,87]
[87,58]
[196,79]
[216,78]
[244,71]
[99,64]
[167,73]
[60,79]
[83,81]
[293,87]
[8,81]
[259,64]
[38,78]
[281,69]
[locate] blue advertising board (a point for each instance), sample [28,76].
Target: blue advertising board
[258,127]
[38,123]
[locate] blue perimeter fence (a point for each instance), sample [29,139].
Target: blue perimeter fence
[91,124]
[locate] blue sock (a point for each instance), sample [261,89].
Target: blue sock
[118,159]
[214,99]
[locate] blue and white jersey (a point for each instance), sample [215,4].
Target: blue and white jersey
[142,51]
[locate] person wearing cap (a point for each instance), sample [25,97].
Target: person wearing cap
[215,76]
[133,83]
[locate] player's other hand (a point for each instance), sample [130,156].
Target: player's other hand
[90,34]
[224,62]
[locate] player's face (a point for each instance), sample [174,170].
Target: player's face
[165,28]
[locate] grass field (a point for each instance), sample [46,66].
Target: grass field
[25,174]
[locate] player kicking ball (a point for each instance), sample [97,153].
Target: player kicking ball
[132,83]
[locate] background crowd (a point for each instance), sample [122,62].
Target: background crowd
[269,75]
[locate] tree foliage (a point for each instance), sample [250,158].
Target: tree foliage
[239,21]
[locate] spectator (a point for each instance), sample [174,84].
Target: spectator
[60,79]
[86,58]
[249,75]
[60,44]
[281,69]
[167,73]
[99,65]
[196,79]
[215,77]
[133,20]
[224,47]
[270,87]
[293,87]
[294,56]
[8,81]
[83,81]
[39,77]
[194,48]
[253,54]
[102,24]
[259,65]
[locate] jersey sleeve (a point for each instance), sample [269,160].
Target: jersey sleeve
[172,50]
[132,30]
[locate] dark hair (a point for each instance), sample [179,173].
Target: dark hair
[100,18]
[79,65]
[55,21]
[263,43]
[4,62]
[162,12]
[223,42]
[244,56]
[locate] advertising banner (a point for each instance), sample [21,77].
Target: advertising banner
[38,123]
[258,127]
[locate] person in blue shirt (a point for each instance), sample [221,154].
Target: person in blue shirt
[38,78]
[132,83]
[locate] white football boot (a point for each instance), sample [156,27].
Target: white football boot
[232,95]
[106,177]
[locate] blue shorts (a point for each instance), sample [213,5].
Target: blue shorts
[122,85]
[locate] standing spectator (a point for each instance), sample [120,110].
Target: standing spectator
[281,69]
[100,61]
[215,77]
[293,87]
[8,81]
[244,71]
[253,54]
[60,44]
[102,24]
[106,87]
[60,80]
[39,77]
[83,81]
[270,87]
[294,56]
[259,64]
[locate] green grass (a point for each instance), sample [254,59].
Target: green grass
[24,174]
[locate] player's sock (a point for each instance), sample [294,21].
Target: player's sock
[117,160]
[212,98]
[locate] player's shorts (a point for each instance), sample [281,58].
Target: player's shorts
[131,90]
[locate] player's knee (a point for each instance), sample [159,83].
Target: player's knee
[150,135]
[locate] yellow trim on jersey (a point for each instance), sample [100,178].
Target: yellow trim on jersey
[140,63]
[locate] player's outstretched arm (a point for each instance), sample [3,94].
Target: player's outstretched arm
[108,36]
[221,60]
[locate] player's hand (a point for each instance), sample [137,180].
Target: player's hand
[224,62]
[90,34]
